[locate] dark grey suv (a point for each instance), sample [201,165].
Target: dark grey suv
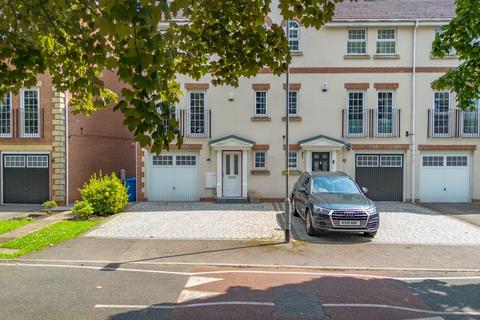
[332,201]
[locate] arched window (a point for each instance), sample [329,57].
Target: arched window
[294,35]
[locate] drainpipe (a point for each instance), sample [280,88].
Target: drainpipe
[288,217]
[414,108]
[66,146]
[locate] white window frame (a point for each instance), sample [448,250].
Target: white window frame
[290,153]
[391,161]
[37,161]
[10,134]
[255,103]
[297,39]
[451,52]
[428,161]
[22,113]
[357,40]
[449,98]
[255,160]
[367,160]
[205,115]
[296,106]
[394,40]
[14,163]
[159,162]
[185,160]
[394,98]
[364,108]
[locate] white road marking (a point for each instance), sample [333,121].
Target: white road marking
[352,275]
[182,306]
[189,295]
[194,281]
[386,306]
[432,318]
[247,265]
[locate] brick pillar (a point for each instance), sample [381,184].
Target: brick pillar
[140,169]
[58,153]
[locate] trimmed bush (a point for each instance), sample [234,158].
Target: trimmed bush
[83,209]
[49,205]
[104,194]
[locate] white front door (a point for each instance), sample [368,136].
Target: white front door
[232,175]
[445,178]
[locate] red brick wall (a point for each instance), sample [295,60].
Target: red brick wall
[46,95]
[99,143]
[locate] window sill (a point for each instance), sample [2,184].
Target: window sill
[261,119]
[386,56]
[260,172]
[356,56]
[293,118]
[292,172]
[446,57]
[296,53]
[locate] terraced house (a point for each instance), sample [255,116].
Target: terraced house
[360,101]
[48,153]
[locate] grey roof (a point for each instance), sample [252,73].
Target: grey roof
[232,136]
[395,9]
[321,136]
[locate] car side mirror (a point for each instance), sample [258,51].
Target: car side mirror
[302,189]
[364,190]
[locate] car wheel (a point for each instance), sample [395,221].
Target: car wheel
[308,224]
[370,234]
[294,208]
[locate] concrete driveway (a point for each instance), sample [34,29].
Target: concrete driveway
[194,220]
[405,223]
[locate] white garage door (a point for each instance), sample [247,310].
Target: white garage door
[445,178]
[173,177]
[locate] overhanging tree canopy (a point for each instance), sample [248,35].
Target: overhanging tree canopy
[76,40]
[463,35]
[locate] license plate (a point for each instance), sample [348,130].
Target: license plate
[349,223]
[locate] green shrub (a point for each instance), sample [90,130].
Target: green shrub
[49,205]
[83,209]
[106,194]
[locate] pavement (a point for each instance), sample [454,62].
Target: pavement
[190,220]
[468,212]
[9,211]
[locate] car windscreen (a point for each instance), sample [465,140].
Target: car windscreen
[334,185]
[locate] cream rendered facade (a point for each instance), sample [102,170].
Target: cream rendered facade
[322,63]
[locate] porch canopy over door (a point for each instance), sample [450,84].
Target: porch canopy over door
[232,143]
[322,143]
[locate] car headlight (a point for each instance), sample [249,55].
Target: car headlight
[372,211]
[320,210]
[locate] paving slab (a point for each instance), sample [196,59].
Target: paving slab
[468,212]
[206,221]
[10,211]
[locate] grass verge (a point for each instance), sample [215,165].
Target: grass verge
[51,235]
[9,225]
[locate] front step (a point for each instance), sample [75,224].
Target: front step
[231,200]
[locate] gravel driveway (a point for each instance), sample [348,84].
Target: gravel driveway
[193,220]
